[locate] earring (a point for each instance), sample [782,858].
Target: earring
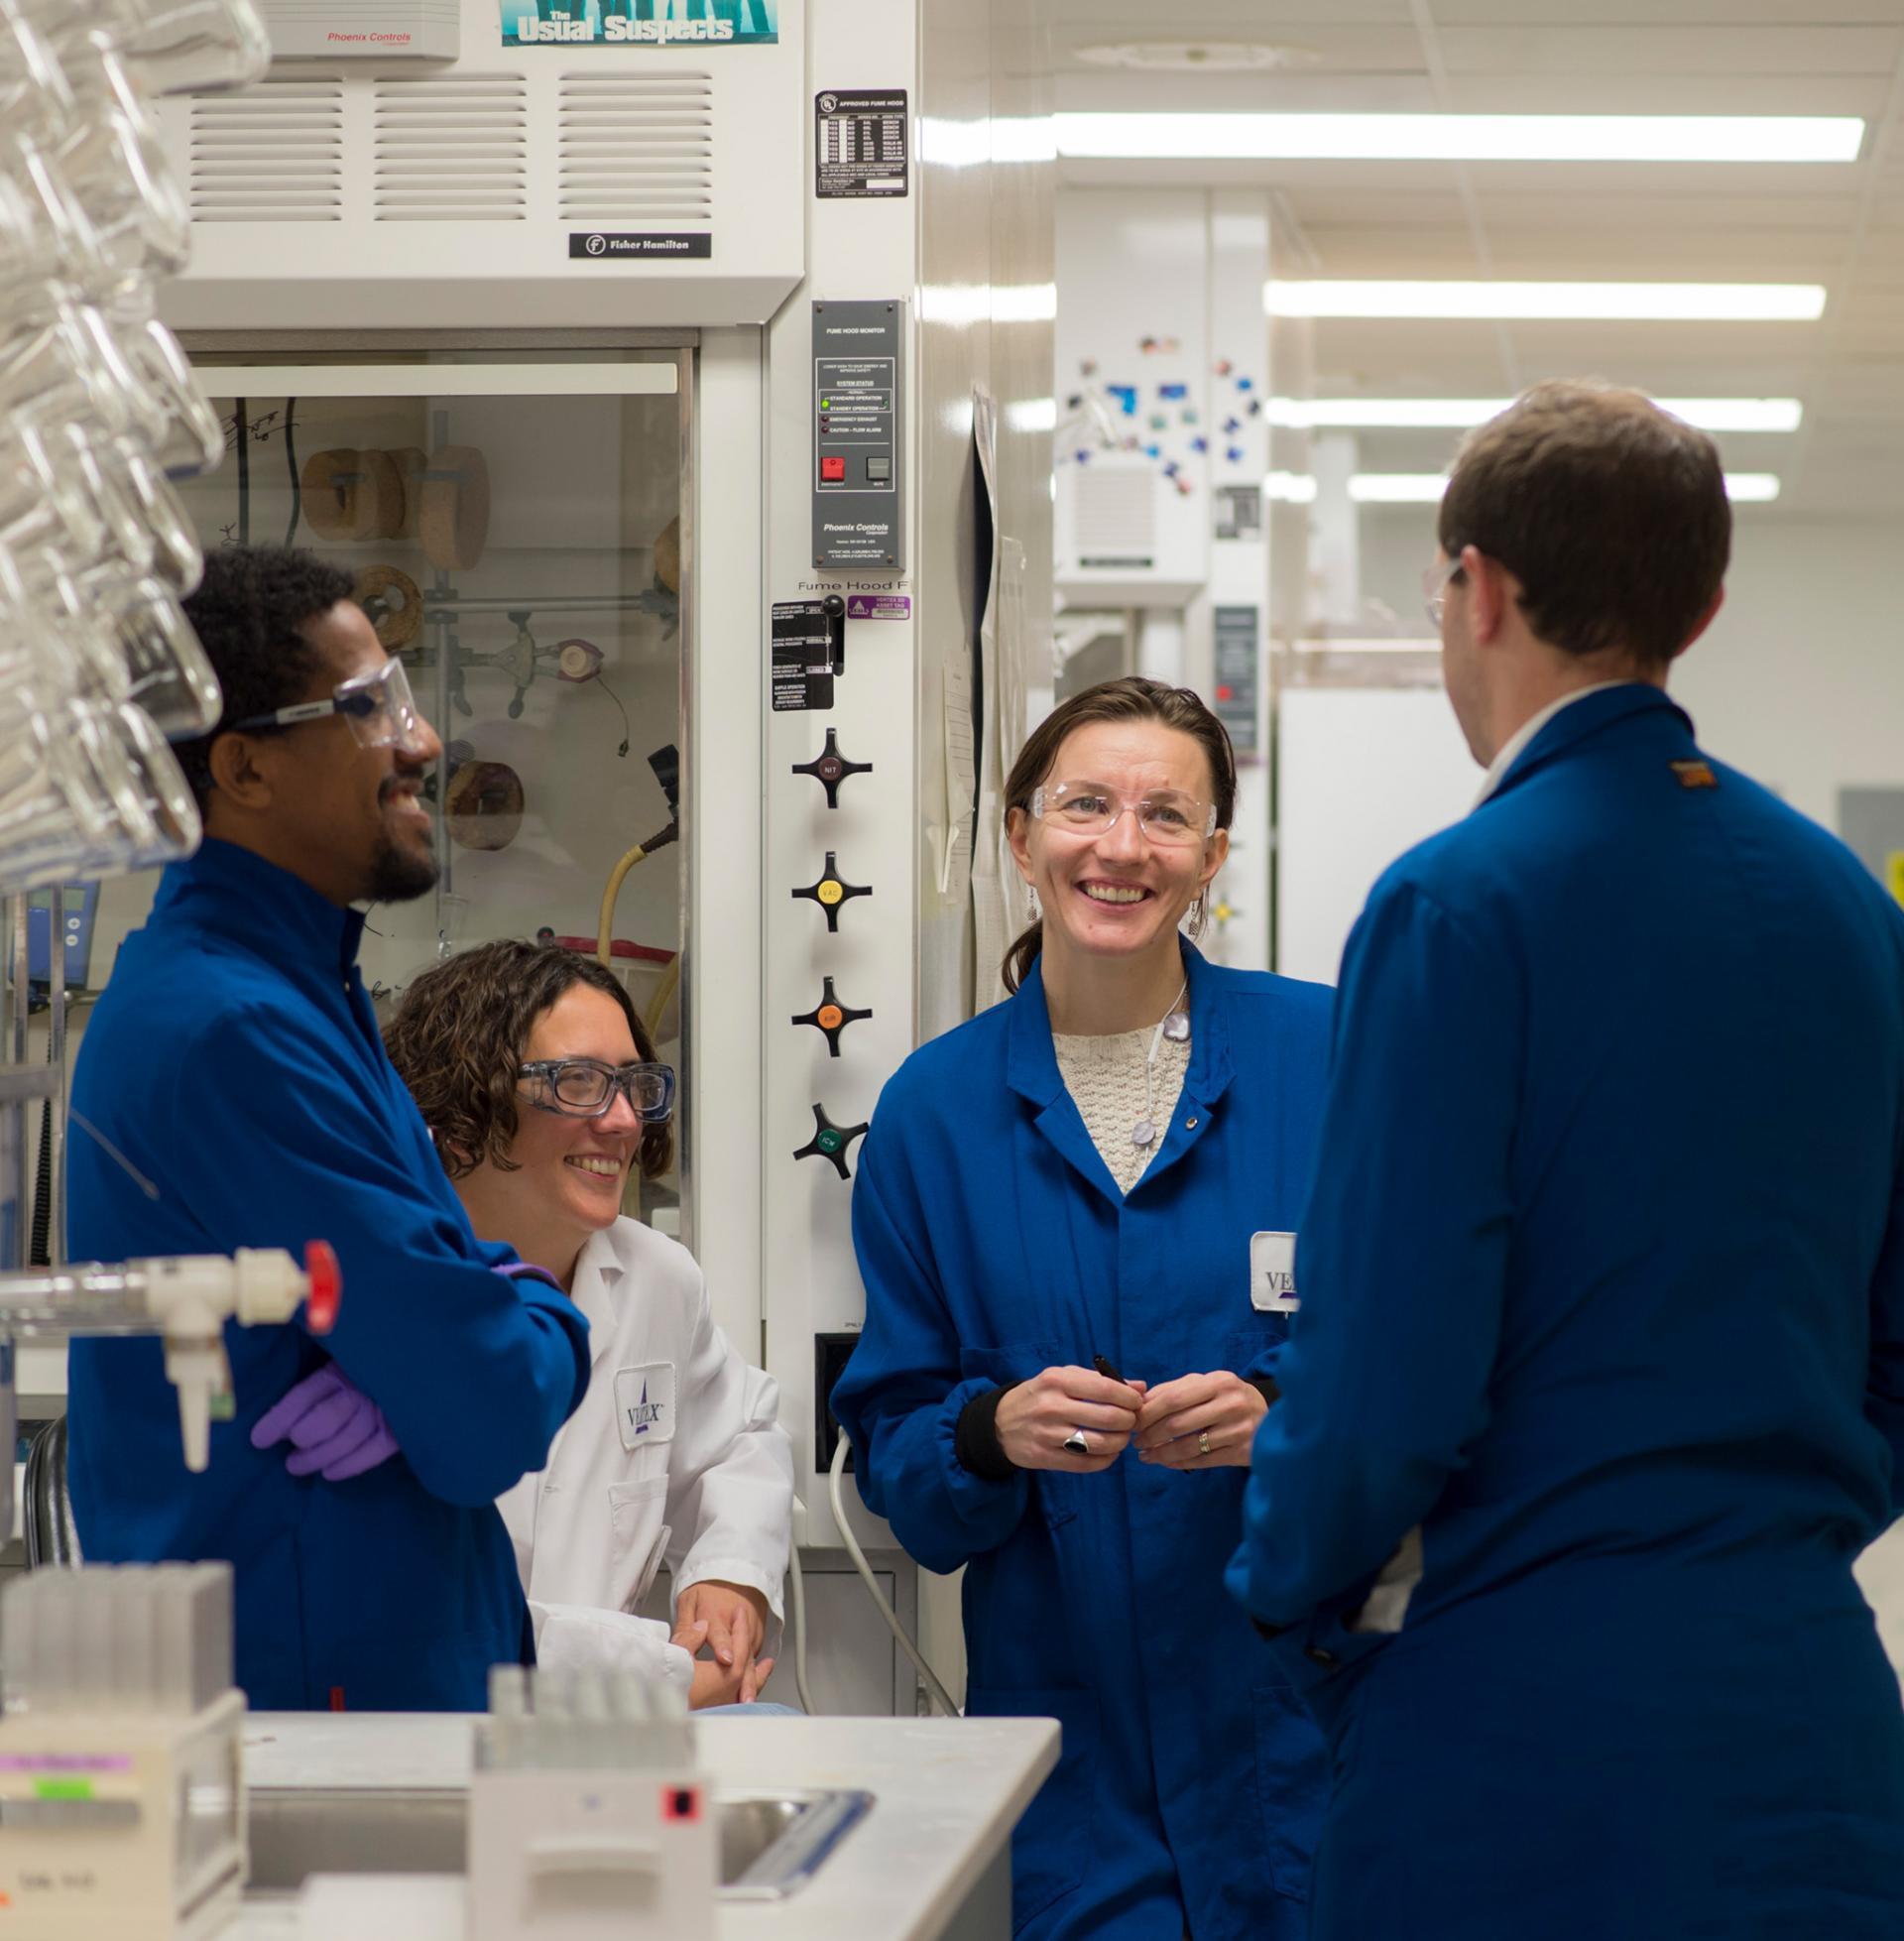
[1033,909]
[1193,920]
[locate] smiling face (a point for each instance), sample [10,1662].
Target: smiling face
[344,817]
[1117,892]
[569,1173]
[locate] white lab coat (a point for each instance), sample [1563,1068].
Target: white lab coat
[676,1454]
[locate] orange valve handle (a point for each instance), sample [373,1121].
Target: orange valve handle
[327,1287]
[830,1017]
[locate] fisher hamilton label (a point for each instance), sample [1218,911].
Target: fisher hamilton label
[649,245]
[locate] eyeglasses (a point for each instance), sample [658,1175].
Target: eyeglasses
[1435,581]
[1166,816]
[381,710]
[585,1088]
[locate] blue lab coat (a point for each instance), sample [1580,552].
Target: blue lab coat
[994,1244]
[235,1062]
[1602,1341]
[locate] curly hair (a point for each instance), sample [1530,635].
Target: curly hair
[462,1030]
[249,612]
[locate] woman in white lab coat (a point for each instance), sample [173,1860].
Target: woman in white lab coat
[541,1088]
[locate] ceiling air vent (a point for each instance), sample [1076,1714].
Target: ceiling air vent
[452,150]
[637,150]
[273,153]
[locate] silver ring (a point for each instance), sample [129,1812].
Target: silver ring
[1203,1443]
[1076,1443]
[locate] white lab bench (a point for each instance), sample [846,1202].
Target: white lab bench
[930,1859]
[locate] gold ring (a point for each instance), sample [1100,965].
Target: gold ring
[1203,1443]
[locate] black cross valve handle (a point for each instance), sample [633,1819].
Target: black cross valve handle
[829,767]
[831,1016]
[830,1142]
[831,890]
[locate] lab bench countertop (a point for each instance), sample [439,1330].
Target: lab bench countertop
[947,1793]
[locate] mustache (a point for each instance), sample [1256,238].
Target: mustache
[398,783]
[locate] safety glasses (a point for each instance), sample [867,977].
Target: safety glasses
[1435,581]
[380,709]
[585,1088]
[1166,816]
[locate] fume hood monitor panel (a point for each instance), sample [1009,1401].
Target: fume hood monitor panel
[859,376]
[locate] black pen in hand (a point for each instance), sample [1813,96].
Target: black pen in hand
[1075,1441]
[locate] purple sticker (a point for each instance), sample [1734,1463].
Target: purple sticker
[64,1763]
[878,606]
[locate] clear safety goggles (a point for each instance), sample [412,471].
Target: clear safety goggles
[585,1088]
[381,710]
[1089,808]
[1435,581]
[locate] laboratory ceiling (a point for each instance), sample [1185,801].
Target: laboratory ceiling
[1840,225]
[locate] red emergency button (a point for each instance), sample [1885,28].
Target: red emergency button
[832,472]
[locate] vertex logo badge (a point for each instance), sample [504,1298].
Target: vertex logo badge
[645,1405]
[639,245]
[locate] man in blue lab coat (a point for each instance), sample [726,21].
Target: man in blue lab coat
[232,1091]
[1597,1389]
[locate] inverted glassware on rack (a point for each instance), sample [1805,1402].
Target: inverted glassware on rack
[97,412]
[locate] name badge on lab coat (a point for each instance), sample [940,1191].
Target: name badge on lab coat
[644,1403]
[1272,1273]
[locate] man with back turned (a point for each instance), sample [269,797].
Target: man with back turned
[1596,1389]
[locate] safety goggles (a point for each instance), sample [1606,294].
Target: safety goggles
[1166,816]
[1435,581]
[380,709]
[585,1088]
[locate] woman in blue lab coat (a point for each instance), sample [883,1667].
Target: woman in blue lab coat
[1070,1339]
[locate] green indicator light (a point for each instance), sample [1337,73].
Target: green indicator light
[826,404]
[62,1789]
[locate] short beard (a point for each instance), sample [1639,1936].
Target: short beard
[399,876]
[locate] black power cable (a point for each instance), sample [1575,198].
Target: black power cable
[244,474]
[290,461]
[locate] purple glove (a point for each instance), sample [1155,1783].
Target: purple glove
[336,1431]
[527,1270]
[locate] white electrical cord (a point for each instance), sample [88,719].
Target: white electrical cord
[798,1593]
[878,1597]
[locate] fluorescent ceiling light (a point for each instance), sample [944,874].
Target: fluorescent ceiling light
[1460,138]
[998,302]
[1729,303]
[1426,488]
[1460,414]
[1398,488]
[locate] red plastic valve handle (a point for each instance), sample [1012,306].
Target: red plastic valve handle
[327,1287]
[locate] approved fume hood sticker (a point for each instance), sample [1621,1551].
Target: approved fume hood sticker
[651,245]
[639,23]
[860,142]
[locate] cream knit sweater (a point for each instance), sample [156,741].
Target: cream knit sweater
[1105,1078]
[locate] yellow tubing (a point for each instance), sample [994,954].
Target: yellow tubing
[669,984]
[604,955]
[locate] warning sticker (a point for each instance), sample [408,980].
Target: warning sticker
[860,142]
[806,654]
